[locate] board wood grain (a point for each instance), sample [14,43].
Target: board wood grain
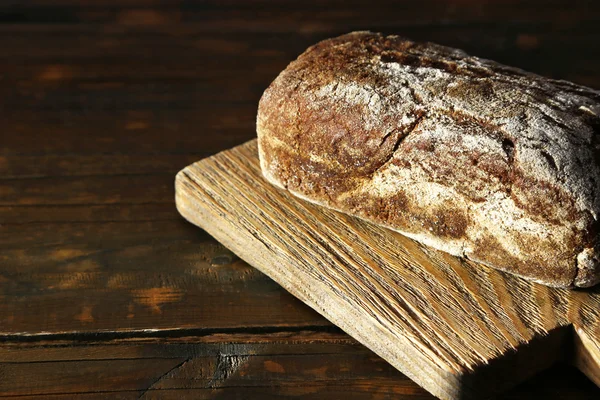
[457,328]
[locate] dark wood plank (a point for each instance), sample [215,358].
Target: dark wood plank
[80,213]
[302,364]
[79,165]
[121,395]
[174,345]
[277,361]
[98,235]
[142,132]
[80,376]
[105,189]
[158,284]
[293,16]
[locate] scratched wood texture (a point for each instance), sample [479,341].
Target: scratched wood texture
[103,101]
[460,330]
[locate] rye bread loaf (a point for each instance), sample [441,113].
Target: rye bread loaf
[463,154]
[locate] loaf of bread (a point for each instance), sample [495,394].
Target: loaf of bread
[463,154]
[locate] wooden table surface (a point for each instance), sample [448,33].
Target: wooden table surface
[105,291]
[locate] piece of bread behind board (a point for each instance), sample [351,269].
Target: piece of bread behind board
[466,155]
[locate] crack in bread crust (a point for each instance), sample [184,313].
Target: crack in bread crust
[472,157]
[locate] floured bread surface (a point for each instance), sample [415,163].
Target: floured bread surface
[463,154]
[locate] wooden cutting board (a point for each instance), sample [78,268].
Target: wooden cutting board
[458,329]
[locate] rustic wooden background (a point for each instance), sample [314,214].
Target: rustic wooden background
[105,291]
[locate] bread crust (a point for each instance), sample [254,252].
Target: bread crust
[463,154]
